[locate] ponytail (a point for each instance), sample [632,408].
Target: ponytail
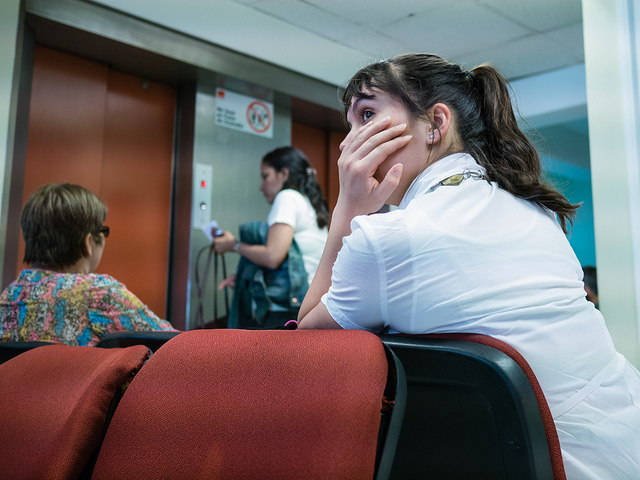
[310,188]
[505,152]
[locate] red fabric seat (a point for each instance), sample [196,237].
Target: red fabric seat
[248,404]
[54,401]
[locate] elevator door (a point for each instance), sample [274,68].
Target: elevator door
[113,134]
[322,148]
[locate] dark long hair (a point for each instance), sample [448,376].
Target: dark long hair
[302,178]
[484,117]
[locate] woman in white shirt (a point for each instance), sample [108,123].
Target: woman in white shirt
[476,245]
[298,212]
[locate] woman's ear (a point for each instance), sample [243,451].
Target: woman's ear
[285,173]
[88,245]
[441,121]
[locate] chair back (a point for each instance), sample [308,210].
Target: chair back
[247,404]
[8,350]
[54,404]
[153,340]
[474,410]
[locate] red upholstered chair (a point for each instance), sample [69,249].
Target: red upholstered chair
[54,402]
[249,404]
[474,410]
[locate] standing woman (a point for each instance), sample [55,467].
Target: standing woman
[299,213]
[477,245]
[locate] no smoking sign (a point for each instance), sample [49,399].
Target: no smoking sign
[244,113]
[259,116]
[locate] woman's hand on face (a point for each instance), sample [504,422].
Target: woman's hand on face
[224,243]
[363,150]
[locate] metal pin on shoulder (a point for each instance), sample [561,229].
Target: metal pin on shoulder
[458,178]
[454,179]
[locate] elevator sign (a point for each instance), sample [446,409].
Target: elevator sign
[244,113]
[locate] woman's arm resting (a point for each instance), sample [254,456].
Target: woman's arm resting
[319,319]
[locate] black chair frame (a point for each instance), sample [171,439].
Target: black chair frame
[471,412]
[8,350]
[391,416]
[152,339]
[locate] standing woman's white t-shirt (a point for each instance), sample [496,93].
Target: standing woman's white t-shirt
[292,208]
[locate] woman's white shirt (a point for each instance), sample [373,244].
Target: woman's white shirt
[292,208]
[473,258]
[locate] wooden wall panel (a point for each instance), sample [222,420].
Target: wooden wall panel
[66,124]
[105,131]
[66,120]
[313,142]
[136,185]
[322,147]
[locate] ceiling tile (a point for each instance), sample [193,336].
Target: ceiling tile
[571,37]
[372,13]
[310,18]
[377,46]
[434,32]
[522,57]
[329,39]
[540,15]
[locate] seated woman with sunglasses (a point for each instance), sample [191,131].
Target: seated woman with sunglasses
[59,298]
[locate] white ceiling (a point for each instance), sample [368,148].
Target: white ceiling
[330,39]
[522,37]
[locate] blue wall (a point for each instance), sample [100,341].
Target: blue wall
[575,183]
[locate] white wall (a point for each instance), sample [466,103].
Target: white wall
[10,21]
[235,157]
[612,95]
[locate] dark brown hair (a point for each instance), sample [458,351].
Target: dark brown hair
[486,123]
[302,178]
[55,221]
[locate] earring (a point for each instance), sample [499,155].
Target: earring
[431,137]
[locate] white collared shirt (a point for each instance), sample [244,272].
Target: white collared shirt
[473,258]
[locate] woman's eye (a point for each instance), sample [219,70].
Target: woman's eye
[366,115]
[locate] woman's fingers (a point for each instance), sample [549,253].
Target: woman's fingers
[372,143]
[385,145]
[363,152]
[367,160]
[363,139]
[390,182]
[357,136]
[224,243]
[227,282]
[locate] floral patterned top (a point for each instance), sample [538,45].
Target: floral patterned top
[71,308]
